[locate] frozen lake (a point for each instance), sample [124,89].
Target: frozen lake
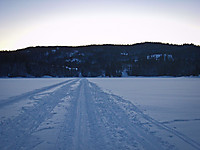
[173,101]
[100,113]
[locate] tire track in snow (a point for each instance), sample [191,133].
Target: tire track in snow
[79,116]
[136,112]
[18,98]
[81,134]
[119,131]
[14,133]
[95,121]
[75,134]
[160,125]
[179,120]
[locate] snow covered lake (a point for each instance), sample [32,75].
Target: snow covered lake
[174,102]
[15,86]
[100,113]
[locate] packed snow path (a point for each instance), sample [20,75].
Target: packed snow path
[78,115]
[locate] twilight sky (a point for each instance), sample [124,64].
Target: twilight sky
[25,23]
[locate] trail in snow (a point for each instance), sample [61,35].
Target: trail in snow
[78,115]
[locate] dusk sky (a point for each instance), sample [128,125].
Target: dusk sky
[25,23]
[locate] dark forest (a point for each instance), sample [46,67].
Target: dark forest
[143,59]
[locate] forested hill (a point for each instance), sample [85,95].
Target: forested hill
[144,59]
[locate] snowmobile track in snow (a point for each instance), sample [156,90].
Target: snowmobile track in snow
[78,115]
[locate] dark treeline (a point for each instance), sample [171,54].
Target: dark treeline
[144,59]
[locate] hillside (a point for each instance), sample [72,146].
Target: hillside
[143,59]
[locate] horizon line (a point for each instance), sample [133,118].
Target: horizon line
[99,45]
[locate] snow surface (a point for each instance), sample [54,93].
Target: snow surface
[175,102]
[101,113]
[10,87]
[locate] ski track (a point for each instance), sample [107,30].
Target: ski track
[78,115]
[180,120]
[28,94]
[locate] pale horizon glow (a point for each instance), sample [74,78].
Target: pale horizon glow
[75,23]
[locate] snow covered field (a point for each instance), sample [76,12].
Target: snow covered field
[15,86]
[174,102]
[100,113]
